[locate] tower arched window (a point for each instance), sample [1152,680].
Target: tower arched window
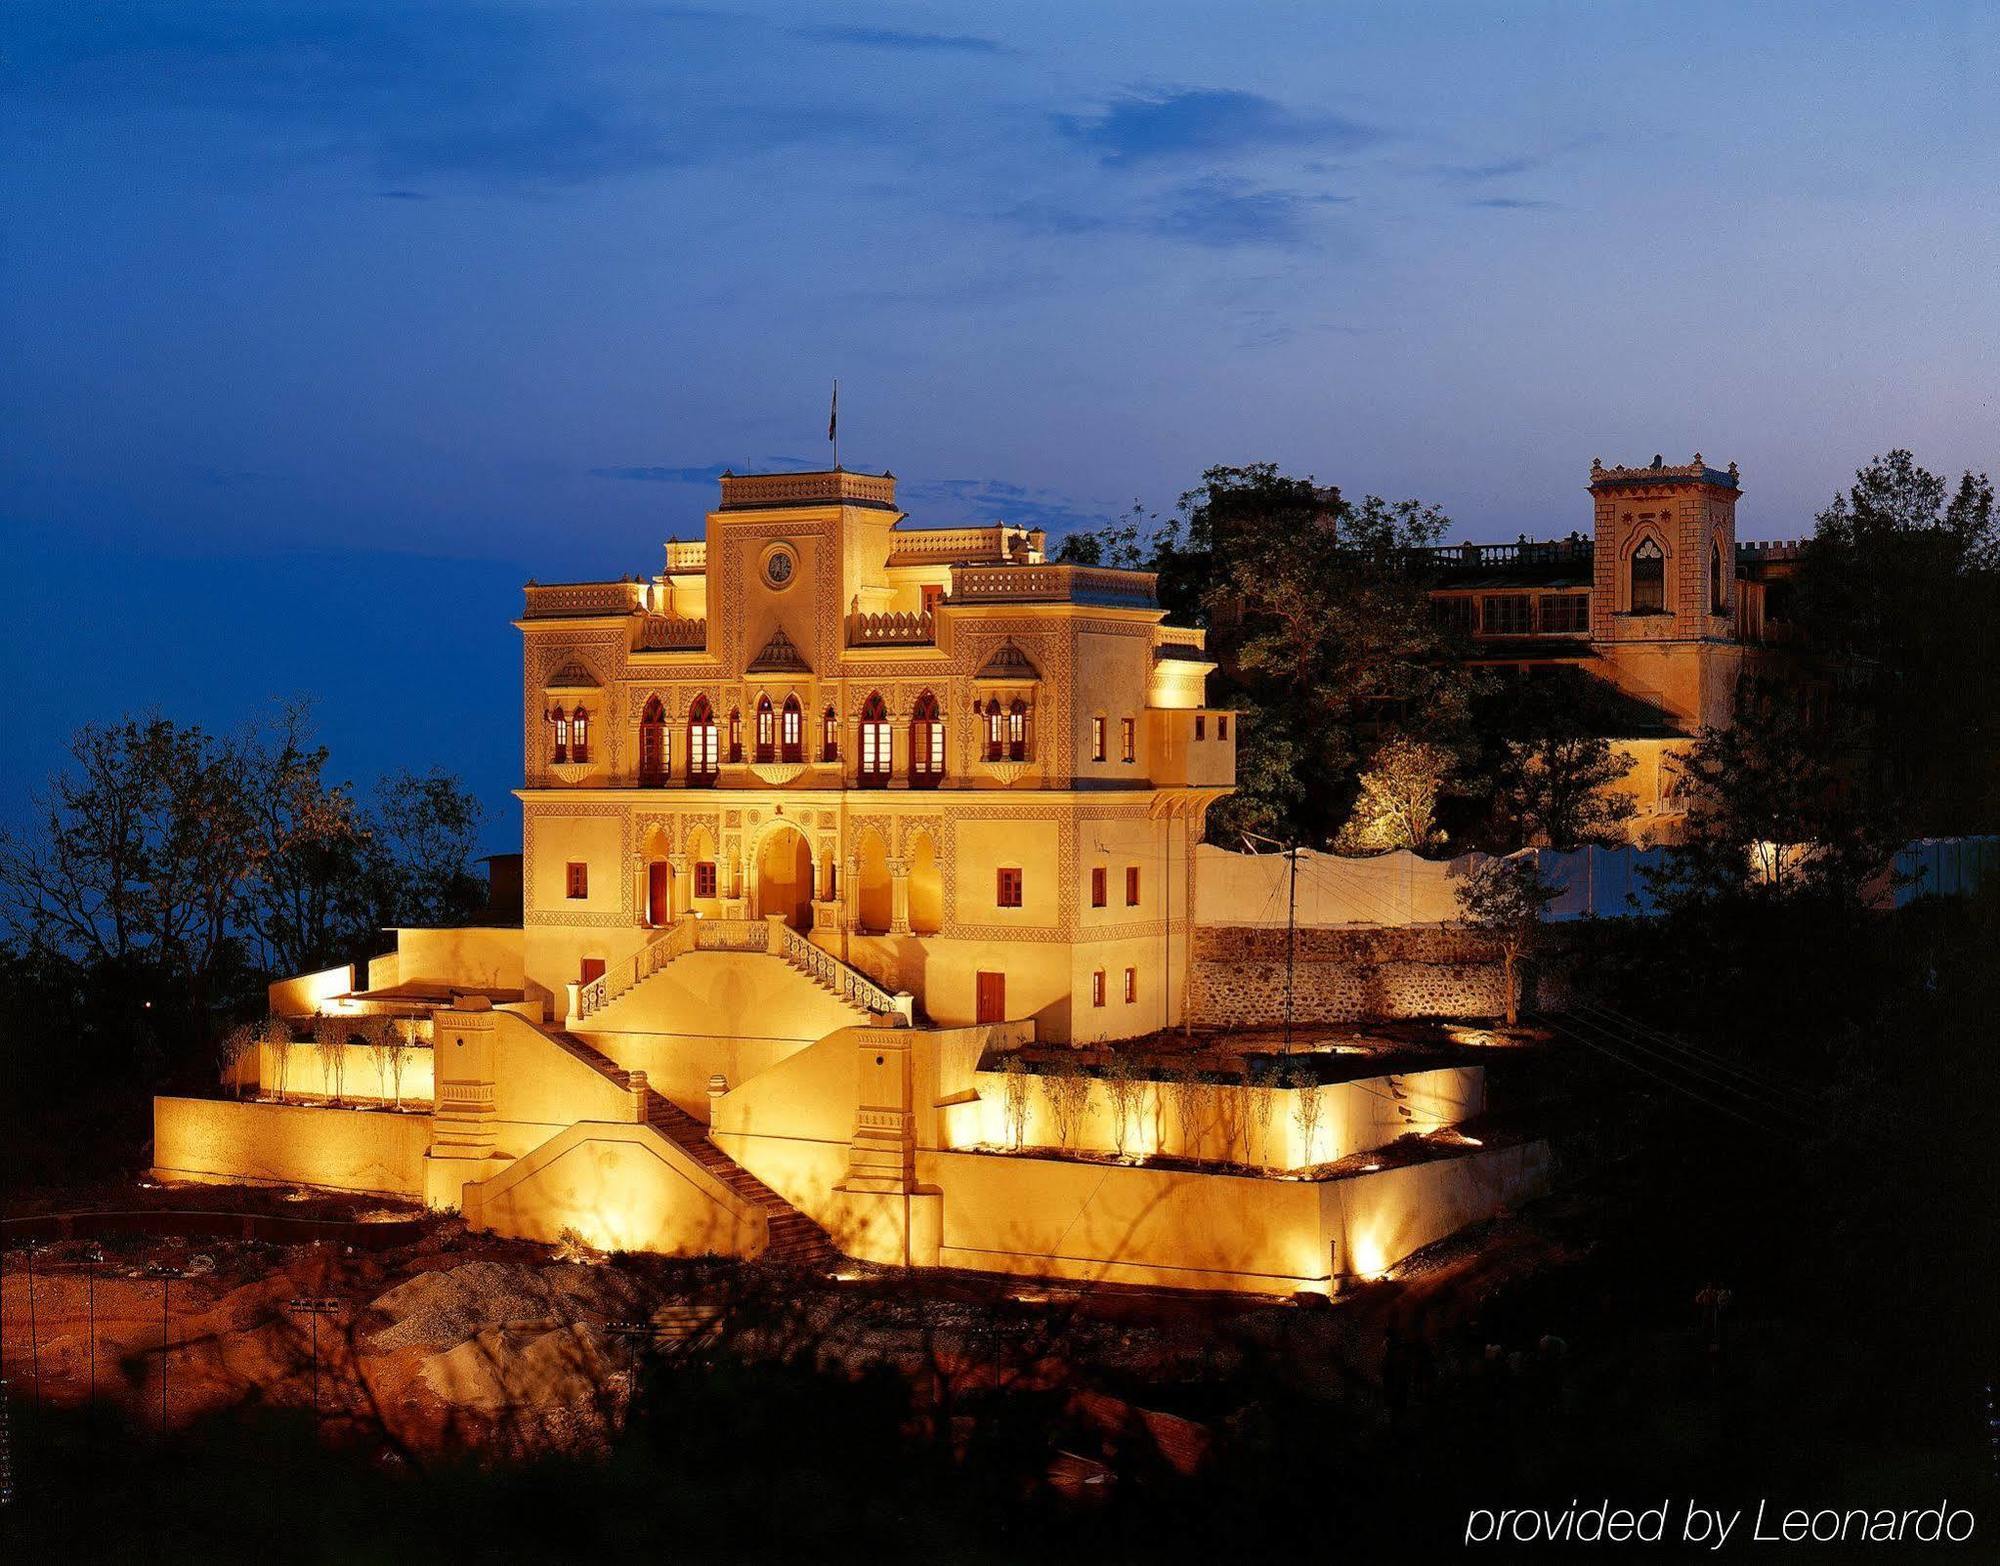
[876,746]
[701,742]
[735,734]
[1017,730]
[829,735]
[653,764]
[559,727]
[1718,603]
[767,730]
[794,731]
[995,730]
[926,743]
[1649,579]
[579,734]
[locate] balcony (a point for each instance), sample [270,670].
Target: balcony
[995,545]
[769,491]
[1073,584]
[583,600]
[916,628]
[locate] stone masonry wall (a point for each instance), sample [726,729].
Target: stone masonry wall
[1342,975]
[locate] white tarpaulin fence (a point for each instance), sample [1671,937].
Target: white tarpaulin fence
[1402,888]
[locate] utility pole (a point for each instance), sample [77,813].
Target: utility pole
[34,1340]
[1291,934]
[168,1276]
[314,1308]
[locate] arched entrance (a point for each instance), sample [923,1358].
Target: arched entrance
[783,879]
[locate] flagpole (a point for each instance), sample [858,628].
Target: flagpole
[833,423]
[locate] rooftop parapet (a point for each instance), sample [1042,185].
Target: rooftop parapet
[1660,472]
[835,486]
[1075,584]
[1522,554]
[582,600]
[999,544]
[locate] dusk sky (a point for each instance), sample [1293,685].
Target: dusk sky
[325,328]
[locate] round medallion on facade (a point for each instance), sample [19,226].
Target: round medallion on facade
[780,566]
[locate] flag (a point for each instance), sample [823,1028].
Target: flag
[833,414]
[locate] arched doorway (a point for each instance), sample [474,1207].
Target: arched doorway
[874,894]
[926,887]
[658,849]
[783,880]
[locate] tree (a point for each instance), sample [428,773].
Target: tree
[1899,588]
[141,856]
[231,1050]
[1552,789]
[330,1035]
[1261,1080]
[1505,899]
[1319,618]
[1397,806]
[391,1041]
[1015,1082]
[1772,811]
[422,829]
[1308,1106]
[1123,1087]
[277,1038]
[308,903]
[1067,1089]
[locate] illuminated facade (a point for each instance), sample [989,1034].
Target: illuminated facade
[1660,603]
[970,774]
[839,837]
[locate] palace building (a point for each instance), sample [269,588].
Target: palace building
[1660,603]
[965,772]
[863,900]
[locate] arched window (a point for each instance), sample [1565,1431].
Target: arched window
[767,730]
[701,742]
[1017,731]
[1649,579]
[653,763]
[829,735]
[926,743]
[995,735]
[579,734]
[794,730]
[875,743]
[1717,602]
[559,722]
[735,734]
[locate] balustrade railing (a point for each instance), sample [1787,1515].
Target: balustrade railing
[851,984]
[732,935]
[661,948]
[893,629]
[1054,583]
[583,598]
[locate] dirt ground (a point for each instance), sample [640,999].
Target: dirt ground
[461,1341]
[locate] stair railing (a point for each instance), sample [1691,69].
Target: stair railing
[849,983]
[660,948]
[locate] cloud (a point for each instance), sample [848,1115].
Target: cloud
[1219,213]
[1202,122]
[402,195]
[993,500]
[889,38]
[707,475]
[1225,213]
[1509,203]
[1478,173]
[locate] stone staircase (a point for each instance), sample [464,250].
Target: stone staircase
[842,980]
[796,1241]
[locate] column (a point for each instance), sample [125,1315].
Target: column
[680,888]
[899,897]
[899,751]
